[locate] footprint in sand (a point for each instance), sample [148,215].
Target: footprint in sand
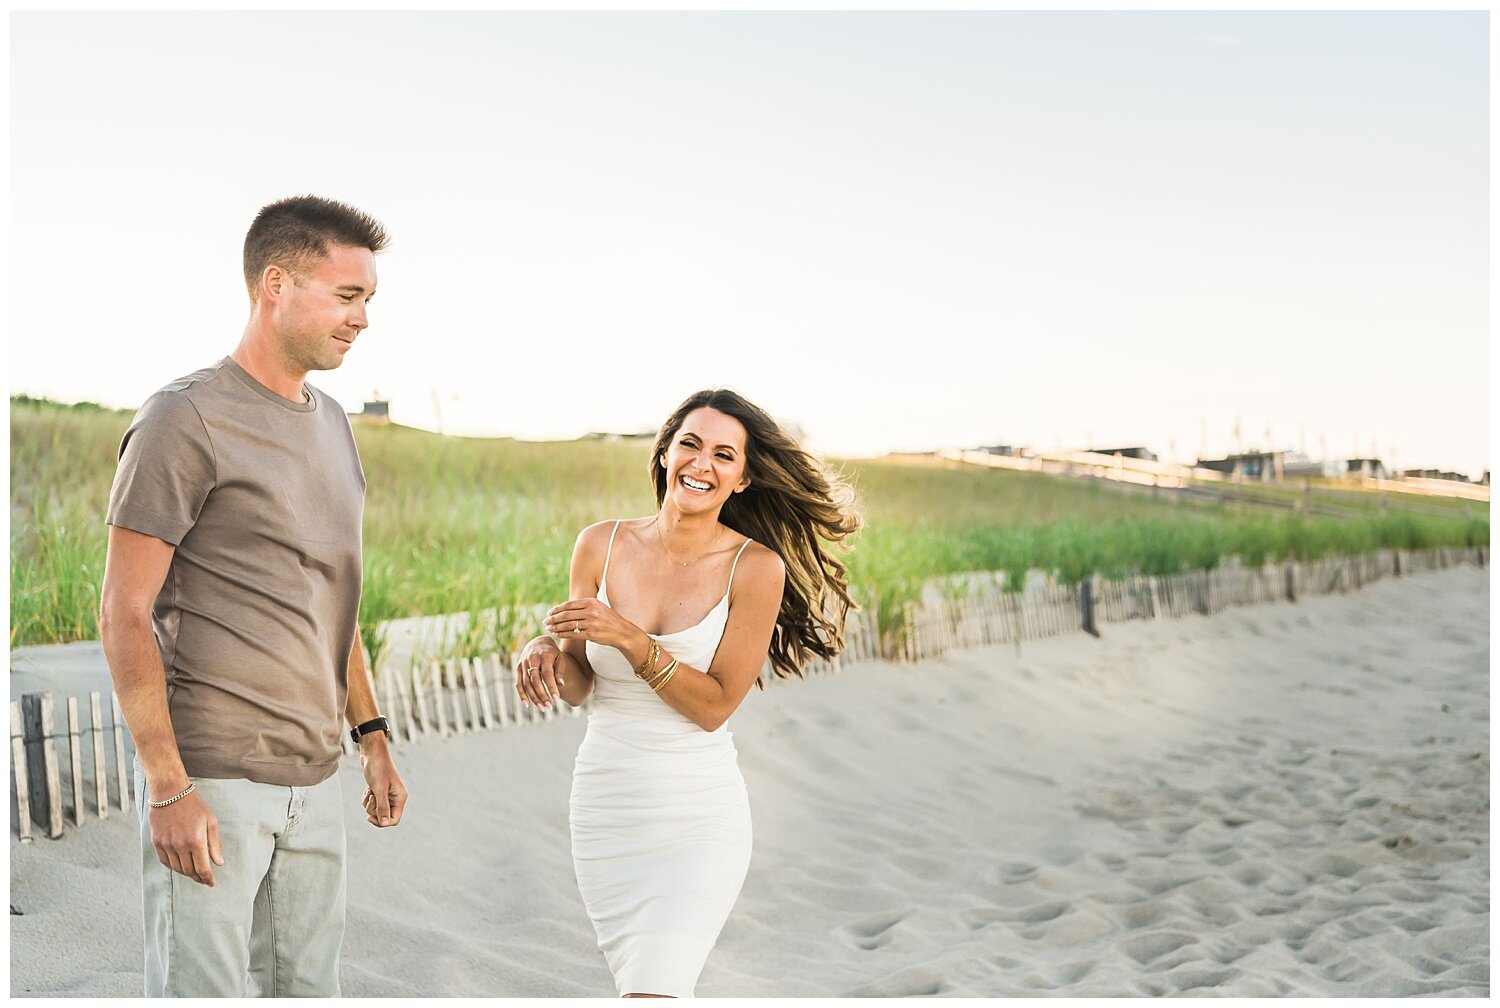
[1148,948]
[1112,862]
[1195,976]
[914,982]
[1250,875]
[919,866]
[1016,871]
[1040,913]
[1157,885]
[873,932]
[1143,915]
[1071,973]
[977,920]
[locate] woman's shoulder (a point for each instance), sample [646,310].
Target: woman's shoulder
[598,535]
[760,563]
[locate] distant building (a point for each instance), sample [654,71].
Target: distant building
[1439,474]
[376,411]
[1367,468]
[1300,467]
[1137,452]
[1256,465]
[1009,451]
[610,436]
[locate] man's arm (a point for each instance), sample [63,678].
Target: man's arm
[185,833]
[385,794]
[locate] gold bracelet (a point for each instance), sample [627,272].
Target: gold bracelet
[668,671]
[655,677]
[176,797]
[653,652]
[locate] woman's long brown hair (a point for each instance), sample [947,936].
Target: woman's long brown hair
[792,505]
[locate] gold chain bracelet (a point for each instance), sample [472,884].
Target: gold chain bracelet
[176,797]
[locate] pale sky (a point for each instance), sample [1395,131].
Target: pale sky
[901,231]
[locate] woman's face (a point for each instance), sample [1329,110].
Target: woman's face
[705,461]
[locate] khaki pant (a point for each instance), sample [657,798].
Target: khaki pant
[273,923]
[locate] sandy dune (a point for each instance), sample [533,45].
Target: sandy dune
[1289,799]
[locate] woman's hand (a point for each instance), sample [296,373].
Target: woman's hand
[588,619]
[539,673]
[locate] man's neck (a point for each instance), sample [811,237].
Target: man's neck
[268,369]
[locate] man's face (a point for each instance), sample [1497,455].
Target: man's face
[322,310]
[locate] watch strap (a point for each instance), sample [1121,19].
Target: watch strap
[374,725]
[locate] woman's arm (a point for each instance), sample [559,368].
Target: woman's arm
[565,671]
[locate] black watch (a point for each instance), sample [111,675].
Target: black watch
[379,724]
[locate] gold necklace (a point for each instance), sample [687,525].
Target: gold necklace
[684,563]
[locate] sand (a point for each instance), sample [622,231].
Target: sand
[1288,799]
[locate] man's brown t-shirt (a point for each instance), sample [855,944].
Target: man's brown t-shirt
[263,498]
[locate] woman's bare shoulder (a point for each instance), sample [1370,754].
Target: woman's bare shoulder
[595,538]
[762,566]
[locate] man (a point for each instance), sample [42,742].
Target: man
[228,617]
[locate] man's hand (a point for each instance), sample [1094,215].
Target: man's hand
[385,795]
[186,837]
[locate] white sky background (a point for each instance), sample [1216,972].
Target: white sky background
[901,231]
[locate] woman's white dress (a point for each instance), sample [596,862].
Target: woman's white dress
[659,816]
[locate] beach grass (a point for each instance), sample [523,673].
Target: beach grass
[474,525]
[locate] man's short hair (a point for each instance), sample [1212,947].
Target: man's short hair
[296,232]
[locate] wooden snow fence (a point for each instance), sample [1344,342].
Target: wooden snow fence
[63,766]
[69,764]
[988,614]
[452,696]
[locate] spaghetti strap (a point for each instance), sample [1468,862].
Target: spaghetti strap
[736,564]
[604,574]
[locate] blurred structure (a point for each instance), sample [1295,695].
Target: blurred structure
[376,411]
[1256,465]
[1441,475]
[1299,466]
[1367,468]
[1137,452]
[611,436]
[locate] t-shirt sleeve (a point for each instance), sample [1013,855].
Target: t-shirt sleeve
[166,469]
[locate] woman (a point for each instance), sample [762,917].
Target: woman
[671,621]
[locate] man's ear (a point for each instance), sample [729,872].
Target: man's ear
[274,281]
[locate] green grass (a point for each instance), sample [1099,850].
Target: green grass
[455,524]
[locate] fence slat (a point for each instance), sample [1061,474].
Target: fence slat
[1087,602]
[471,699]
[452,672]
[419,694]
[385,690]
[18,770]
[482,685]
[406,700]
[439,702]
[75,761]
[504,713]
[45,782]
[101,781]
[122,779]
